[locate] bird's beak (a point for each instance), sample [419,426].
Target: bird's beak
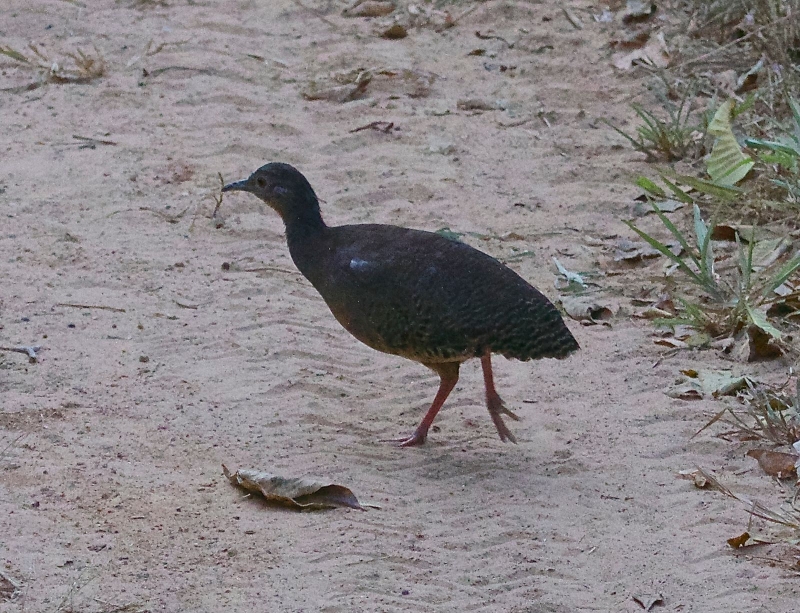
[237,186]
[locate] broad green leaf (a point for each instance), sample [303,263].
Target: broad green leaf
[727,164]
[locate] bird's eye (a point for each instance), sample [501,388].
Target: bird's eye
[279,190]
[261,182]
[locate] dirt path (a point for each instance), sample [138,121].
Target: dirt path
[110,484]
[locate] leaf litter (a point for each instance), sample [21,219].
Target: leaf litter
[302,493]
[699,384]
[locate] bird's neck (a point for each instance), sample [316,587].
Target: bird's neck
[304,230]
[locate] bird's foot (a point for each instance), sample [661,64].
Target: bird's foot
[497,409]
[418,438]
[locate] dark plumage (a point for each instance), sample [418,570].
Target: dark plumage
[413,293]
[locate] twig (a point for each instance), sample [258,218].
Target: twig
[91,143]
[272,269]
[732,43]
[573,19]
[31,352]
[514,124]
[90,306]
[218,199]
[168,218]
[494,37]
[186,306]
[380,126]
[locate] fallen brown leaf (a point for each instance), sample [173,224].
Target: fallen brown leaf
[775,463]
[369,8]
[586,309]
[739,541]
[654,53]
[395,32]
[299,493]
[338,93]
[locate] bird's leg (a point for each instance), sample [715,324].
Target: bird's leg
[448,375]
[494,403]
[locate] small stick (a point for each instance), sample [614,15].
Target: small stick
[90,306]
[31,351]
[514,124]
[272,269]
[90,143]
[573,19]
[494,37]
[186,306]
[218,199]
[380,126]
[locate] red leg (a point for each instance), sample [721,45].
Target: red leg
[448,375]
[494,403]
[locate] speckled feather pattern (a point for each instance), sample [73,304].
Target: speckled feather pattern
[426,297]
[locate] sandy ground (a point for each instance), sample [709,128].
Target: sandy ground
[111,492]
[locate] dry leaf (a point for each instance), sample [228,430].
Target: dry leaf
[648,601]
[697,384]
[369,8]
[299,493]
[642,208]
[739,541]
[775,463]
[395,32]
[654,53]
[754,344]
[636,251]
[587,309]
[696,476]
[638,10]
[672,343]
[480,104]
[338,93]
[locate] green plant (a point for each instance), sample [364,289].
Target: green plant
[728,305]
[672,139]
[769,413]
[783,154]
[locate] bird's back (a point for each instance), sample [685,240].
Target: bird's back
[429,298]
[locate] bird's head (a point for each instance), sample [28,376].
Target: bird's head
[284,189]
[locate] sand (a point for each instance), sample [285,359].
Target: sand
[111,488]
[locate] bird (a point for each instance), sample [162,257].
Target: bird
[415,294]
